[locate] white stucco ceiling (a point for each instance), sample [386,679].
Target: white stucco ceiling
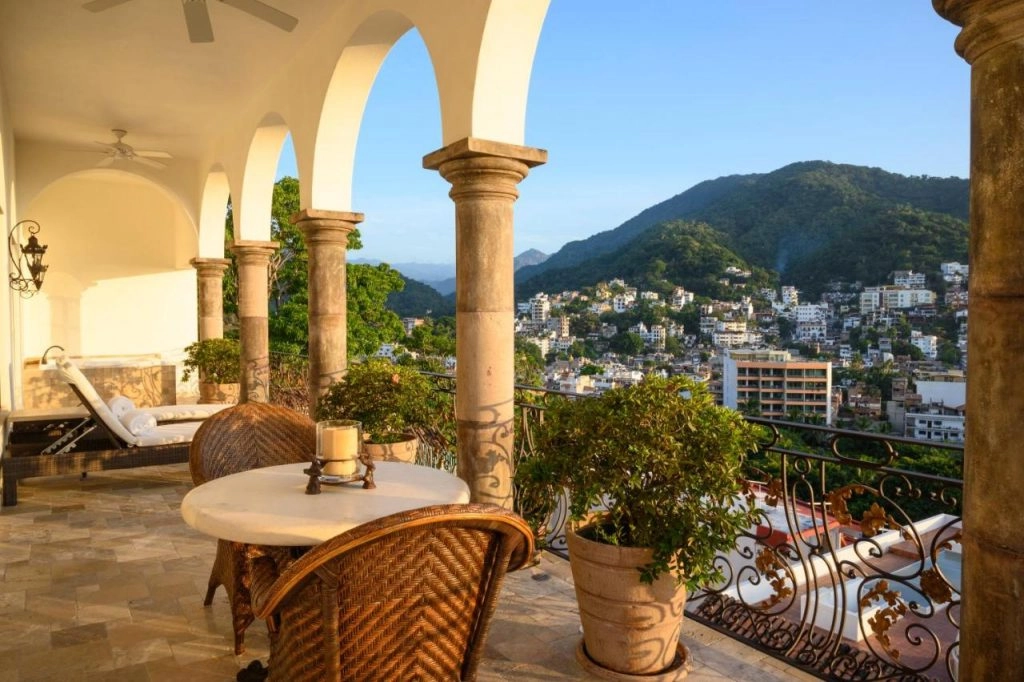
[71,75]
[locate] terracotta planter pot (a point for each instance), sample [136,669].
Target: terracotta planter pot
[629,627]
[219,393]
[402,451]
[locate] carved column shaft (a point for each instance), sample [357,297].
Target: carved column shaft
[326,236]
[253,258]
[992,619]
[484,176]
[210,296]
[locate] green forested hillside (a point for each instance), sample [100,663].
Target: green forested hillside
[676,252]
[812,222]
[416,299]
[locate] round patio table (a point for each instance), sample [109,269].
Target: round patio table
[269,505]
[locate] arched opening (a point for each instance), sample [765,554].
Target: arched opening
[119,280]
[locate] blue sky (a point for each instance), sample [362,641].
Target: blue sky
[638,101]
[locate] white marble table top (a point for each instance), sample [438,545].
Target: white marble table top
[269,506]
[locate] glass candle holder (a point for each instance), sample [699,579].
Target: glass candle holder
[338,442]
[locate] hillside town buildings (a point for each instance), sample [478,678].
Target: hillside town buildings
[772,352]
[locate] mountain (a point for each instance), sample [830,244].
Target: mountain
[421,272]
[529,257]
[675,252]
[812,221]
[419,300]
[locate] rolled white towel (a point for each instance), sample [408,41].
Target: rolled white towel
[120,405]
[137,421]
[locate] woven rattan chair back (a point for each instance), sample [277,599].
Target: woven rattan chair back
[249,436]
[407,597]
[243,437]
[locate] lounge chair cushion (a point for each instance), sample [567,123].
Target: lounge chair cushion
[121,405]
[70,373]
[166,434]
[137,421]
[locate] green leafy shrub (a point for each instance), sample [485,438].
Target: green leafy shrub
[662,459]
[390,400]
[217,361]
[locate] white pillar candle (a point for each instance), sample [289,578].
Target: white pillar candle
[340,443]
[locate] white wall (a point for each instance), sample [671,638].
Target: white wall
[6,222]
[119,280]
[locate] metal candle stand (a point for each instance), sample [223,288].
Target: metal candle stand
[316,475]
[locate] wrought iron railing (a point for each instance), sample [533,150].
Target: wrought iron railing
[853,570]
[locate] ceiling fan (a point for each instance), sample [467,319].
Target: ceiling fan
[197,16]
[121,151]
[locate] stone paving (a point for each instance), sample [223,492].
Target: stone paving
[101,580]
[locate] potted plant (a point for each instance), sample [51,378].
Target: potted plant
[392,402]
[218,363]
[652,475]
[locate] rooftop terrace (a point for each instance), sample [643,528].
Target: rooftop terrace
[101,580]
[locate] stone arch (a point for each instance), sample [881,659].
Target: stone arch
[343,105]
[252,205]
[212,213]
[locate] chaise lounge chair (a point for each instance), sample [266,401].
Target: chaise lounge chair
[136,439]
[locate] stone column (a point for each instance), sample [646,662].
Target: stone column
[326,236]
[253,258]
[484,176]
[992,615]
[210,295]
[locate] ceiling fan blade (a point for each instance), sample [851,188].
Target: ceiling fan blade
[148,162]
[261,10]
[100,5]
[109,161]
[197,20]
[152,154]
[105,144]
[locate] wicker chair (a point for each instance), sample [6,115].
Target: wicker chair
[407,597]
[239,438]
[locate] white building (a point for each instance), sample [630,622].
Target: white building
[928,343]
[790,296]
[908,279]
[623,302]
[810,312]
[540,308]
[681,297]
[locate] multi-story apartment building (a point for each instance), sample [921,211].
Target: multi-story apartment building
[623,302]
[954,272]
[908,279]
[790,296]
[540,308]
[777,384]
[681,297]
[874,299]
[928,343]
[734,339]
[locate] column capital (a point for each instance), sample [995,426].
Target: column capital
[210,266]
[471,147]
[326,226]
[250,250]
[986,24]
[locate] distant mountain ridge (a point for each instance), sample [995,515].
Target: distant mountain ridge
[813,221]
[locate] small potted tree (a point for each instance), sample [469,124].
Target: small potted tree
[218,365]
[652,474]
[392,402]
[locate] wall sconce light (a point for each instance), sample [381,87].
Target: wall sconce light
[27,269]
